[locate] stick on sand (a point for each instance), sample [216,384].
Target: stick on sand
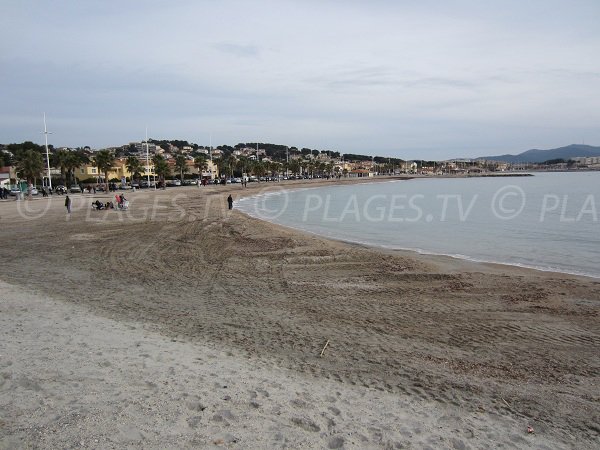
[326,344]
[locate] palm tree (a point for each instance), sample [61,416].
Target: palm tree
[294,166]
[71,162]
[134,167]
[181,165]
[268,167]
[30,166]
[201,164]
[226,165]
[285,166]
[161,168]
[311,168]
[104,161]
[59,159]
[259,169]
[275,168]
[321,168]
[243,163]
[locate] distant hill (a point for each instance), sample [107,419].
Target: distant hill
[539,156]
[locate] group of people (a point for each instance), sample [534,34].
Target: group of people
[122,203]
[99,205]
[4,193]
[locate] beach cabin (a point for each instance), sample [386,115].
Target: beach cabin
[360,173]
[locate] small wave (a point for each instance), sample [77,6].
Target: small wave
[420,251]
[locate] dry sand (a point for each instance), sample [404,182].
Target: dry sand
[181,324]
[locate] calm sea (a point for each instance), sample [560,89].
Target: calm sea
[549,221]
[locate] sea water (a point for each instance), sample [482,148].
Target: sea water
[548,221]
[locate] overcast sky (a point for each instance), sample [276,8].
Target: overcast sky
[413,79]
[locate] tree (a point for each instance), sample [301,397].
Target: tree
[161,168]
[226,165]
[181,165]
[22,148]
[276,168]
[259,169]
[201,164]
[30,166]
[294,166]
[59,159]
[242,164]
[104,161]
[72,162]
[303,167]
[134,167]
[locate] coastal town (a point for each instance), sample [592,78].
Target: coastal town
[164,163]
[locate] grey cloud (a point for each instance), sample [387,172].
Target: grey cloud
[382,77]
[248,51]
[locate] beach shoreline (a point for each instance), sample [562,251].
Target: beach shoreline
[462,262]
[515,346]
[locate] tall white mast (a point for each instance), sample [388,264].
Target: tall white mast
[46,133]
[147,158]
[210,155]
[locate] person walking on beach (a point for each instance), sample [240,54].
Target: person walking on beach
[230,201]
[68,204]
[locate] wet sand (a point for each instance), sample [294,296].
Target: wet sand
[114,323]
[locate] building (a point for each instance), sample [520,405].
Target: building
[360,173]
[140,147]
[6,173]
[88,172]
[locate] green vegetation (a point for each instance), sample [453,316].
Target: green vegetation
[104,161]
[30,165]
[181,165]
[134,166]
[161,168]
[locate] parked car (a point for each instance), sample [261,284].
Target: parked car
[15,191]
[34,191]
[60,189]
[75,189]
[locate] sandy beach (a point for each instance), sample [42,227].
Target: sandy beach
[180,324]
